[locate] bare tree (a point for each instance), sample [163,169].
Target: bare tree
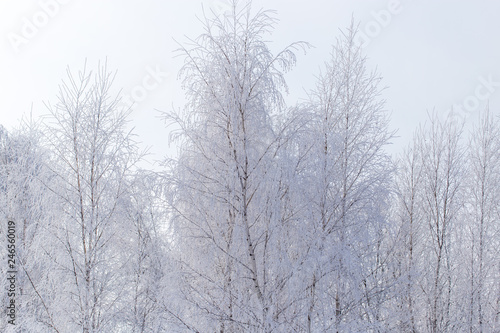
[25,200]
[227,179]
[407,260]
[144,251]
[348,198]
[92,158]
[482,214]
[442,163]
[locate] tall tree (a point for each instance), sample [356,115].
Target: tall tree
[482,214]
[93,155]
[144,251]
[442,166]
[407,259]
[25,200]
[227,178]
[348,197]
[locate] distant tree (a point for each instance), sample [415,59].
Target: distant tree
[407,260]
[480,226]
[431,197]
[442,156]
[143,248]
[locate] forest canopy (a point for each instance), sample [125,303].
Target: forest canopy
[272,218]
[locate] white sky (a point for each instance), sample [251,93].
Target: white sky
[432,54]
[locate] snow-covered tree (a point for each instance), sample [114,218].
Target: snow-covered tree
[430,191]
[348,194]
[93,155]
[442,163]
[230,222]
[27,202]
[143,246]
[406,260]
[480,227]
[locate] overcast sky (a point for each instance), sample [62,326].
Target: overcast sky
[432,54]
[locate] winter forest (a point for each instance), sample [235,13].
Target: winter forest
[271,218]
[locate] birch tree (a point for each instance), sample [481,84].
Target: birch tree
[143,248]
[442,163]
[227,181]
[480,242]
[408,244]
[348,197]
[93,155]
[25,200]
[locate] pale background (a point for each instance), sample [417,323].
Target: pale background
[432,54]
